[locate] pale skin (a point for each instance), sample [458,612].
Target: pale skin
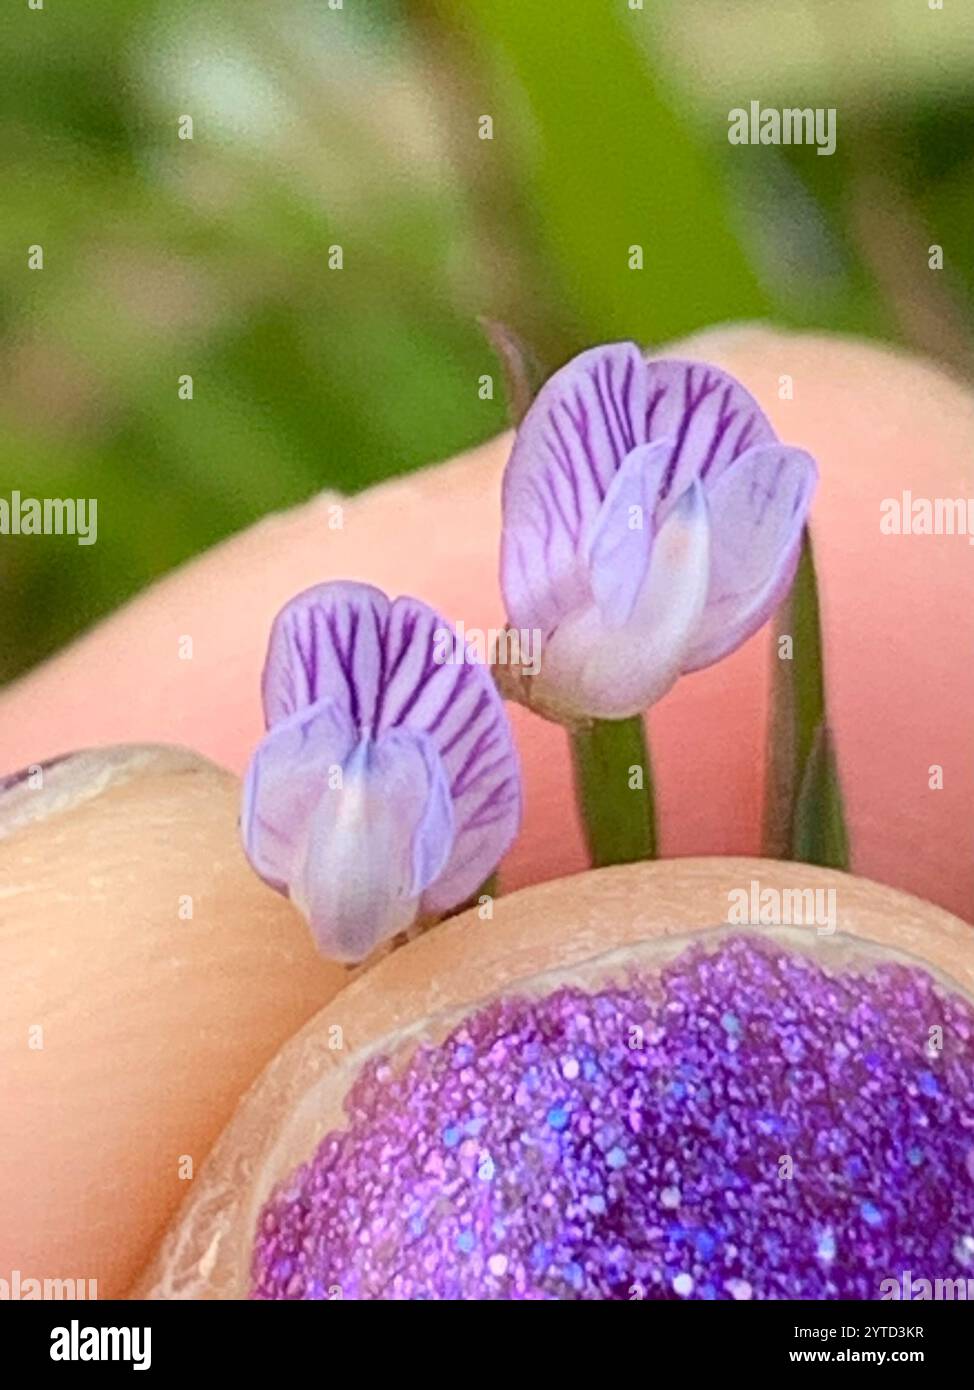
[155,1021]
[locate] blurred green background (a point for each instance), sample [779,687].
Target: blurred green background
[359,126]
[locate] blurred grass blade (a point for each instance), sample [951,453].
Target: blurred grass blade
[804,816]
[819,834]
[619,819]
[613,167]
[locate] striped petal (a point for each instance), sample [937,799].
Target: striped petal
[585,420]
[349,670]
[327,644]
[709,416]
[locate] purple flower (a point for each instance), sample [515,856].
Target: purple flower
[387,785]
[652,523]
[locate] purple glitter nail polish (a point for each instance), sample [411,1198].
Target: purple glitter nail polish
[745,1123]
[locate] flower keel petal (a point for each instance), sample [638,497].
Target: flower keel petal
[619,546]
[613,673]
[373,844]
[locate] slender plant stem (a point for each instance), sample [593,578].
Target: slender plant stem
[804,816]
[614,782]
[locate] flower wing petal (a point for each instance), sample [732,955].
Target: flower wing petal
[353,851]
[758,510]
[284,781]
[373,846]
[435,833]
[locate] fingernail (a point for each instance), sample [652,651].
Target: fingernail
[50,787]
[32,771]
[572,1140]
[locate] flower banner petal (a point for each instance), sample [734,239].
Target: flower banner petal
[475,743]
[710,417]
[587,417]
[327,644]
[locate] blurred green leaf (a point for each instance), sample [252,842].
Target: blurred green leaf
[819,835]
[616,167]
[359,127]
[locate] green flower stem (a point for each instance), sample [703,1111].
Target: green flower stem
[490,888]
[804,816]
[614,783]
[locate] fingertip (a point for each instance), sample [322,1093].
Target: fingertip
[149,975]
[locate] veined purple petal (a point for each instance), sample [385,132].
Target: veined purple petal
[614,672]
[585,420]
[327,644]
[391,678]
[758,511]
[470,730]
[710,417]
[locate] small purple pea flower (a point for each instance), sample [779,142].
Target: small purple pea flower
[387,786]
[652,523]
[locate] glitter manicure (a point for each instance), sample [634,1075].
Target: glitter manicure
[742,1125]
